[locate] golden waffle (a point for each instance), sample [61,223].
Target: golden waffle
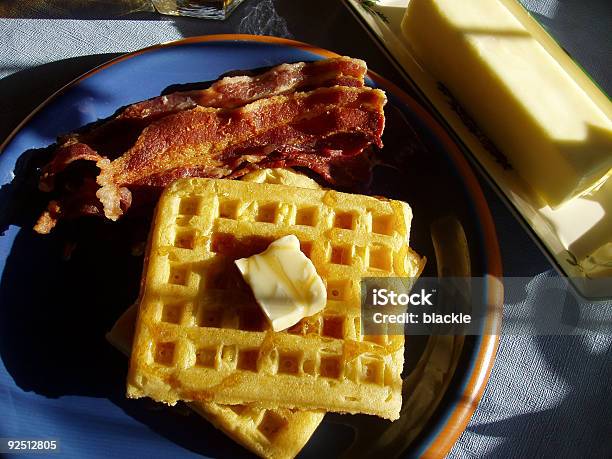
[276,434]
[200,335]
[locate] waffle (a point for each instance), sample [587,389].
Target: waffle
[200,336]
[280,176]
[275,434]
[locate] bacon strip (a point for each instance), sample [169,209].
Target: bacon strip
[111,138]
[218,140]
[237,124]
[232,92]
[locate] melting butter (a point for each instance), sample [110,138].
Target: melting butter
[285,282]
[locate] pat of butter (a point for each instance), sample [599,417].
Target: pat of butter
[285,282]
[555,136]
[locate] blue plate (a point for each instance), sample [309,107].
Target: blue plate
[60,379]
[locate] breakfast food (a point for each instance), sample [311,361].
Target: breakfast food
[276,434]
[200,336]
[552,132]
[250,307]
[278,176]
[284,283]
[235,91]
[315,129]
[314,115]
[110,138]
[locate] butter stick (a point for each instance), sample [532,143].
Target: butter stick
[583,236]
[551,131]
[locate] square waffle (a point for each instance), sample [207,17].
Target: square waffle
[276,434]
[200,336]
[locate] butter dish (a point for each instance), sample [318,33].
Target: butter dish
[565,205]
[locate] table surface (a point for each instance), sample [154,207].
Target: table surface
[548,396]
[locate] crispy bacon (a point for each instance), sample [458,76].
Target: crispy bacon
[111,138]
[236,125]
[64,156]
[217,141]
[235,91]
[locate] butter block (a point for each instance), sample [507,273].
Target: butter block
[285,283]
[552,132]
[584,225]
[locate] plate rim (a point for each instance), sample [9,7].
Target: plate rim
[443,436]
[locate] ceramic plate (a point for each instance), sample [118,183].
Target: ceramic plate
[60,379]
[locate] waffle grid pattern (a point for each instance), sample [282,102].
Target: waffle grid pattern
[200,325]
[277,433]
